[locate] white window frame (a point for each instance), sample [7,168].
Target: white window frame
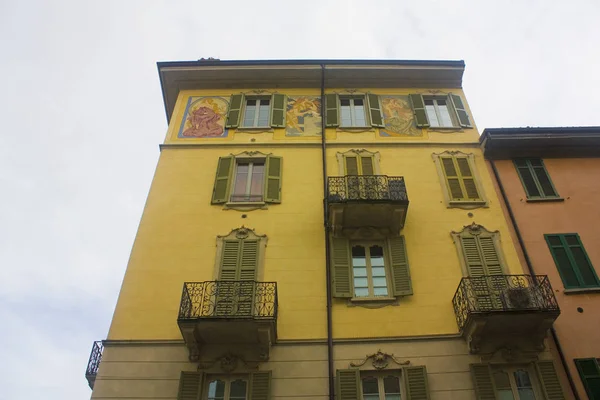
[251,162]
[353,112]
[380,376]
[510,370]
[386,265]
[256,112]
[228,380]
[438,115]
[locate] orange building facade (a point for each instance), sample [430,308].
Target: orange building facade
[549,179]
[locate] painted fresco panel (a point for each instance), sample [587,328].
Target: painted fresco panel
[398,118]
[303,116]
[204,118]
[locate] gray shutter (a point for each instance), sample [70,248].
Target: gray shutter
[236,103]
[549,380]
[190,386]
[375,110]
[461,113]
[278,110]
[415,380]
[418,106]
[273,170]
[224,172]
[348,383]
[260,385]
[331,110]
[341,264]
[483,382]
[399,263]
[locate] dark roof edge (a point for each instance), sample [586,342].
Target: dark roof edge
[542,130]
[200,63]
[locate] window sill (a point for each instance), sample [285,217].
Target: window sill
[254,129]
[245,205]
[546,199]
[372,302]
[355,129]
[582,290]
[445,128]
[467,204]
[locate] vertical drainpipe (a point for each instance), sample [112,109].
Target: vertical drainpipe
[327,255]
[532,272]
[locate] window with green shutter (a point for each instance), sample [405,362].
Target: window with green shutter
[190,386]
[353,110]
[434,111]
[256,111]
[589,372]
[460,183]
[572,261]
[535,178]
[256,386]
[407,383]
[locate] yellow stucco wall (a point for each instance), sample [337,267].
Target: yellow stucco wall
[176,241]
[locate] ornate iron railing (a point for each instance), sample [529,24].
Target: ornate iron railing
[93,363]
[366,188]
[501,293]
[228,299]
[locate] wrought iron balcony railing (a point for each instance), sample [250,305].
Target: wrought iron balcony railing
[366,188]
[93,363]
[502,293]
[228,299]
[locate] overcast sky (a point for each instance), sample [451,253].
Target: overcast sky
[82,116]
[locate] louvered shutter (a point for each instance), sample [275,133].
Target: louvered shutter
[549,380]
[248,260]
[526,175]
[222,179]
[472,256]
[230,260]
[341,264]
[348,384]
[190,386]
[236,103]
[278,105]
[415,380]
[366,163]
[399,265]
[418,106]
[589,372]
[375,110]
[461,112]
[273,167]
[483,382]
[452,178]
[260,385]
[351,165]
[490,255]
[467,178]
[331,110]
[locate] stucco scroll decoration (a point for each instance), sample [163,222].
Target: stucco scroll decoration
[251,154]
[380,360]
[228,362]
[242,233]
[474,229]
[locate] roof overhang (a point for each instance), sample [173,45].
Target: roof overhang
[216,74]
[506,143]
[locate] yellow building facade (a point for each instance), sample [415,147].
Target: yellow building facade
[371,262]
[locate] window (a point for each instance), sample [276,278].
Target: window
[257,112]
[460,183]
[514,384]
[439,111]
[572,261]
[380,387]
[589,371]
[248,178]
[369,270]
[535,178]
[227,389]
[352,111]
[358,162]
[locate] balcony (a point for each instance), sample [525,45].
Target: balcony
[238,314]
[505,311]
[93,364]
[359,201]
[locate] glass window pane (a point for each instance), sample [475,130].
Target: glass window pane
[571,240]
[359,116]
[522,378]
[428,102]
[345,102]
[249,113]
[544,181]
[505,394]
[358,256]
[554,240]
[241,180]
[263,114]
[358,102]
[529,182]
[444,114]
[361,292]
[526,394]
[433,120]
[380,291]
[378,271]
[379,282]
[565,267]
[594,386]
[360,272]
[346,119]
[370,385]
[502,380]
[361,283]
[258,181]
[238,389]
[585,268]
[216,390]
[535,162]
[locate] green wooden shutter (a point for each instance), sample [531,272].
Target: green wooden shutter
[348,384]
[452,178]
[549,380]
[366,164]
[467,178]
[461,112]
[589,371]
[190,386]
[278,105]
[375,110]
[236,103]
[273,167]
[483,382]
[399,263]
[331,110]
[230,260]
[418,106]
[341,264]
[415,380]
[490,255]
[526,175]
[351,165]
[472,256]
[225,168]
[260,385]
[248,260]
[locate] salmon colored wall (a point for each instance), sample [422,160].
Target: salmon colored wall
[576,180]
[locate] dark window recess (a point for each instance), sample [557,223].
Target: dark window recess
[589,371]
[535,178]
[572,261]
